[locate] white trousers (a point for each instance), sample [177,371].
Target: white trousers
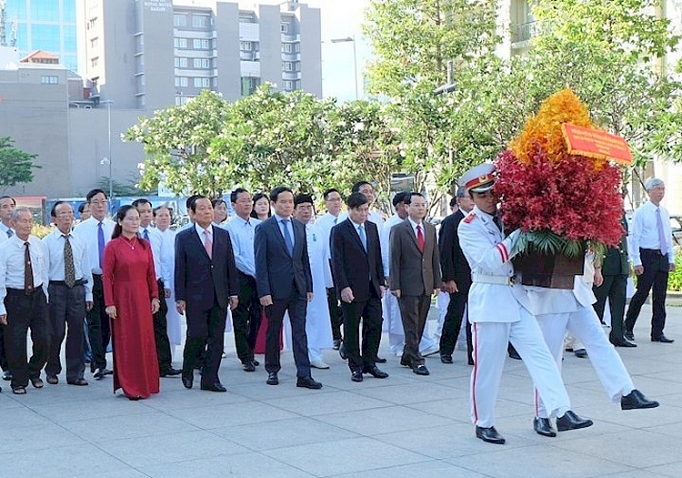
[584,325]
[490,350]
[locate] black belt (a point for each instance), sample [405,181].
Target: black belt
[654,251]
[61,282]
[11,291]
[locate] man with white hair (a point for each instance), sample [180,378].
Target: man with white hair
[653,257]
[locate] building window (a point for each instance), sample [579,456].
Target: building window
[288,85]
[287,66]
[286,47]
[245,46]
[181,100]
[180,42]
[297,47]
[94,62]
[92,23]
[284,28]
[297,66]
[247,17]
[49,80]
[249,85]
[180,62]
[181,81]
[201,63]
[201,44]
[179,20]
[202,82]
[200,21]
[94,42]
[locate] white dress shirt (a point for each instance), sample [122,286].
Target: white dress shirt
[644,232]
[372,216]
[242,235]
[167,256]
[4,232]
[384,240]
[201,231]
[54,253]
[156,240]
[289,226]
[12,266]
[88,230]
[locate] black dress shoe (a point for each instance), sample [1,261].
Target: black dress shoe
[171,372]
[380,360]
[106,371]
[420,369]
[81,382]
[272,379]
[616,342]
[663,339]
[337,344]
[215,387]
[446,358]
[98,374]
[543,426]
[308,382]
[489,435]
[7,376]
[635,400]
[513,354]
[580,353]
[374,372]
[255,362]
[571,421]
[249,366]
[188,378]
[629,335]
[404,362]
[356,376]
[342,352]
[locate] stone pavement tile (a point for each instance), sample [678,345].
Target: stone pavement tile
[455,410]
[65,412]
[248,465]
[220,416]
[633,448]
[414,393]
[344,456]
[34,438]
[286,388]
[283,433]
[13,418]
[383,420]
[634,419]
[395,378]
[75,461]
[152,423]
[431,469]
[184,446]
[537,461]
[310,404]
[672,470]
[182,398]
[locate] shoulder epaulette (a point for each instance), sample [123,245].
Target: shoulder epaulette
[470,217]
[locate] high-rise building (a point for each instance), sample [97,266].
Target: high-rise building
[153,54]
[48,25]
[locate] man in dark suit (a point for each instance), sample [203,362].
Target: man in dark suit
[456,279]
[284,283]
[359,280]
[206,283]
[615,270]
[415,275]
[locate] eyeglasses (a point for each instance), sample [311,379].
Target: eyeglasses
[99,202]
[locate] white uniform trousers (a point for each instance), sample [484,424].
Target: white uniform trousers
[490,350]
[584,325]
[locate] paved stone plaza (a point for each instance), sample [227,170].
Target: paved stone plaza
[403,426]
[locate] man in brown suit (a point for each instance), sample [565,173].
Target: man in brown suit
[415,274]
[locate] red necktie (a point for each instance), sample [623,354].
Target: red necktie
[420,238]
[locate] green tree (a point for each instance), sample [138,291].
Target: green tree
[16,166]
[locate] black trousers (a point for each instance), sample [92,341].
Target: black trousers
[614,288]
[296,304]
[24,312]
[335,314]
[66,307]
[370,314]
[205,329]
[99,332]
[3,355]
[655,277]
[453,320]
[163,351]
[413,311]
[246,318]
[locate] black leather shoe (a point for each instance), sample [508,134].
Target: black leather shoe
[255,362]
[188,378]
[171,372]
[420,369]
[580,353]
[404,362]
[380,360]
[308,382]
[216,387]
[571,421]
[249,366]
[342,352]
[106,371]
[543,426]
[635,400]
[356,376]
[621,342]
[489,435]
[513,354]
[663,339]
[629,335]
[337,344]
[272,379]
[446,358]
[7,376]
[80,382]
[374,372]
[98,374]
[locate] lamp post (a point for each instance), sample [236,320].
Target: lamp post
[111,178]
[355,59]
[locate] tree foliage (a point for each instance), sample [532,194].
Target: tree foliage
[16,166]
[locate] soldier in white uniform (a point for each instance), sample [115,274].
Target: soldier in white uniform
[560,310]
[499,313]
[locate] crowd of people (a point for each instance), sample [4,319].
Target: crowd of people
[341,279]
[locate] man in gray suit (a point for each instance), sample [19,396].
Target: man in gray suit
[415,274]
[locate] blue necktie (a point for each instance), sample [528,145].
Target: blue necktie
[100,242]
[287,237]
[363,238]
[145,234]
[10,232]
[661,232]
